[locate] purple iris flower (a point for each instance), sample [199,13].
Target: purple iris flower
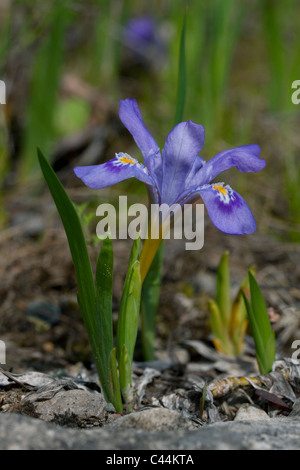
[140,31]
[178,175]
[142,38]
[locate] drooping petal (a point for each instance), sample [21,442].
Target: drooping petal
[131,117]
[181,150]
[245,159]
[227,209]
[118,169]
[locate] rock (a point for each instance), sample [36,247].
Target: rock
[154,419]
[31,223]
[73,408]
[29,380]
[43,313]
[24,433]
[296,408]
[204,282]
[249,412]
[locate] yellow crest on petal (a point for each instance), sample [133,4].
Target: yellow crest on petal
[221,189]
[127,160]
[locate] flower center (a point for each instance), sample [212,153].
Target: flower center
[127,160]
[221,189]
[124,159]
[225,194]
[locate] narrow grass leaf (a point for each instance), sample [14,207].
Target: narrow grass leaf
[87,297]
[259,345]
[259,308]
[149,303]
[114,391]
[274,35]
[103,310]
[121,328]
[221,338]
[128,324]
[263,334]
[73,229]
[128,328]
[45,78]
[125,367]
[223,299]
[239,318]
[181,87]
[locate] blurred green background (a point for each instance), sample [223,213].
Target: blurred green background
[66,64]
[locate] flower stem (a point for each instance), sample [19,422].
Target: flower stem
[147,255]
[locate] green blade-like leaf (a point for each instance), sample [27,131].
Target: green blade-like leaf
[263,334]
[259,345]
[121,328]
[87,297]
[239,317]
[149,303]
[259,307]
[129,317]
[77,243]
[128,328]
[181,90]
[104,286]
[263,324]
[221,338]
[223,290]
[45,79]
[114,391]
[103,324]
[125,367]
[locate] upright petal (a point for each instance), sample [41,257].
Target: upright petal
[118,169]
[245,159]
[227,209]
[131,117]
[182,147]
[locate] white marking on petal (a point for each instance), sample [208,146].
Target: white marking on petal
[225,193]
[123,159]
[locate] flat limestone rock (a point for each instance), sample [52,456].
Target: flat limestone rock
[23,433]
[73,408]
[154,419]
[249,412]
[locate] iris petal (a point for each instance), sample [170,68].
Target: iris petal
[131,117]
[181,150]
[245,159]
[227,209]
[118,169]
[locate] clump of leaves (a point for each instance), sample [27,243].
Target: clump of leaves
[114,365]
[228,320]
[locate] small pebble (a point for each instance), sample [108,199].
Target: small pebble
[249,412]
